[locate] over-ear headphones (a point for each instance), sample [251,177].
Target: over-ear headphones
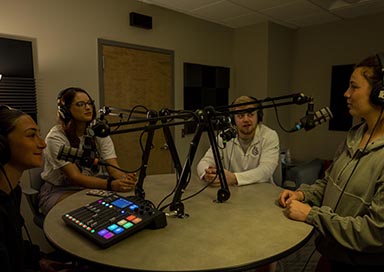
[5,150]
[260,113]
[65,97]
[63,109]
[377,93]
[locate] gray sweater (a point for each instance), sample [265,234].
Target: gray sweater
[348,203]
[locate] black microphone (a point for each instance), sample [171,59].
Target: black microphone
[228,132]
[85,158]
[311,120]
[99,127]
[300,99]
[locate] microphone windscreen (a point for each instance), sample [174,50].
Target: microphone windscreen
[323,115]
[67,153]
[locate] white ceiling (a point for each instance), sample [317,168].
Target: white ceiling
[291,13]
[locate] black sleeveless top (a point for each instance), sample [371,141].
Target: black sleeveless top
[11,239]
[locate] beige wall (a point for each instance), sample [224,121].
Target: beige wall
[316,49]
[251,60]
[280,58]
[272,60]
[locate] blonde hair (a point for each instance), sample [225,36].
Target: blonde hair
[245,99]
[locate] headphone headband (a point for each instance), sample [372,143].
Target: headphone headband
[377,93]
[260,113]
[5,150]
[380,58]
[63,109]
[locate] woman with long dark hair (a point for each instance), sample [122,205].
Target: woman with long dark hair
[76,110]
[21,148]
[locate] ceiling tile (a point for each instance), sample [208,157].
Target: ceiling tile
[261,4]
[314,19]
[292,10]
[290,13]
[220,11]
[359,9]
[245,20]
[326,4]
[184,5]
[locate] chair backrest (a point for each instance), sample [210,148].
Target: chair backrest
[35,178]
[278,174]
[32,195]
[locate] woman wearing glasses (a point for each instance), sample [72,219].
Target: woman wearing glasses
[75,112]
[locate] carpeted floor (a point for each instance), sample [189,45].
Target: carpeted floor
[296,262]
[303,260]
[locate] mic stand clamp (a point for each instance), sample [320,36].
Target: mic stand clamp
[89,154]
[309,119]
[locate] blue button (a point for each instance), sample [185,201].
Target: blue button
[113,227]
[118,230]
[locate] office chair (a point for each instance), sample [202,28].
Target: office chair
[32,194]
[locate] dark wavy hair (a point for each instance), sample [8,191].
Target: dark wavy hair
[8,117]
[373,69]
[65,98]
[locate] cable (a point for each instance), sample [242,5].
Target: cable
[278,119]
[176,186]
[122,170]
[198,192]
[188,180]
[230,156]
[188,197]
[308,259]
[362,152]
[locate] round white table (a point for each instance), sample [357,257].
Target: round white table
[246,231]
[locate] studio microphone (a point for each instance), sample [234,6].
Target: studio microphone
[228,132]
[99,127]
[85,158]
[311,120]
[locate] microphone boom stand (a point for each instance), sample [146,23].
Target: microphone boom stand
[139,190]
[204,121]
[223,193]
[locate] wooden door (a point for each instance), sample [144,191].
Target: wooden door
[134,76]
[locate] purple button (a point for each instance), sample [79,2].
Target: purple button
[108,235]
[102,232]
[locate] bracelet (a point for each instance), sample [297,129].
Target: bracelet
[109,183]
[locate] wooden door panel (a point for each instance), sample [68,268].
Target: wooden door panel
[135,77]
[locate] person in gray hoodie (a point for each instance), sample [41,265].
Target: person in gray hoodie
[346,207]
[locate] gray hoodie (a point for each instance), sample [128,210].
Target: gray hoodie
[348,203]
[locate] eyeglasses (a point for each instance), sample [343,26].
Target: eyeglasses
[82,104]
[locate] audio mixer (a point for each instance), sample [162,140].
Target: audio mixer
[112,218]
